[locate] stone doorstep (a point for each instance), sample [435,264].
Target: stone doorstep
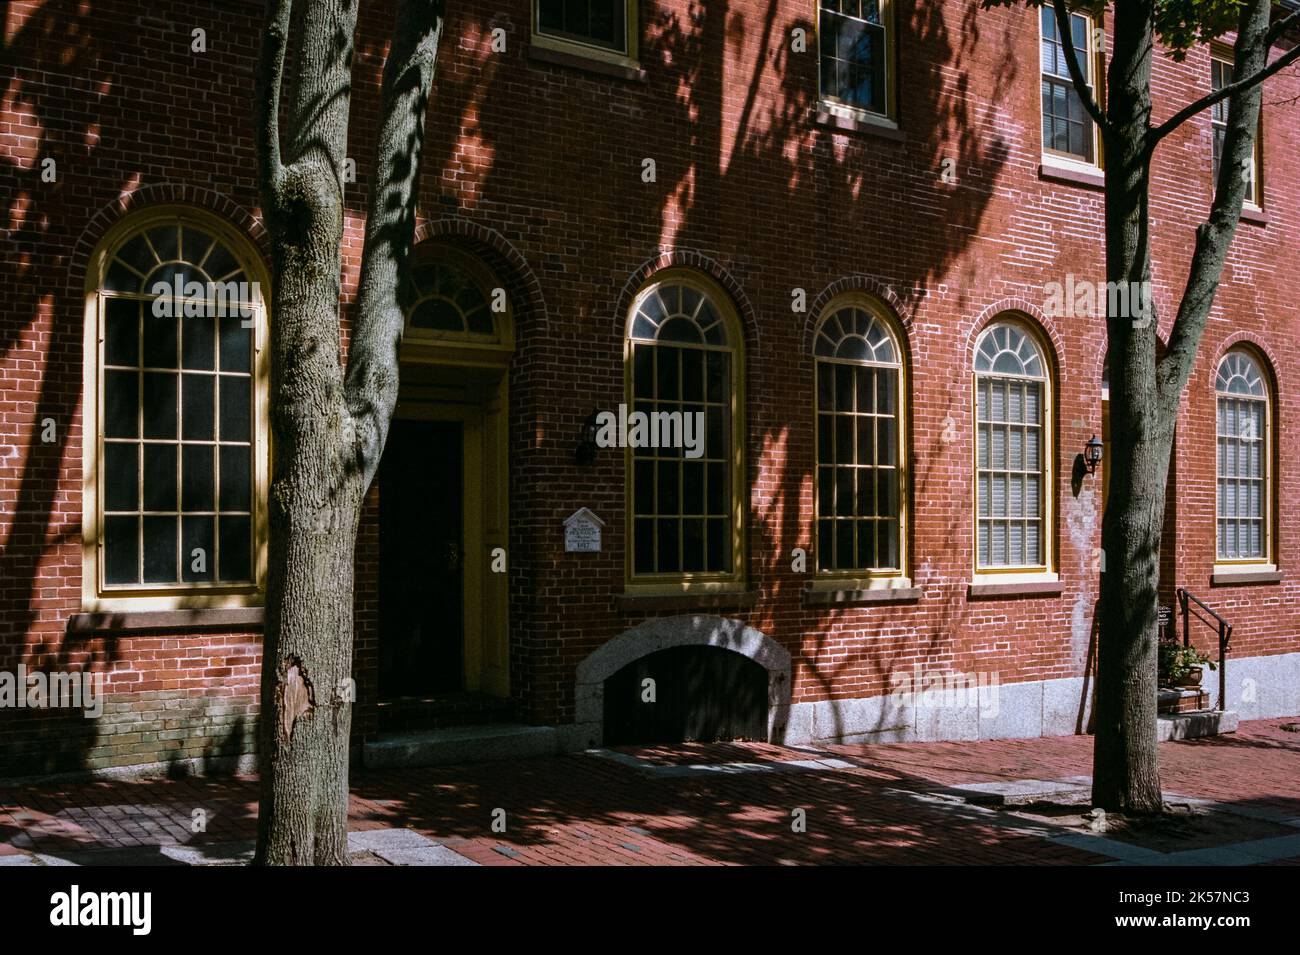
[1195,725]
[1075,790]
[460,744]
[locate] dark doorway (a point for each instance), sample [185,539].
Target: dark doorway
[421,506]
[702,694]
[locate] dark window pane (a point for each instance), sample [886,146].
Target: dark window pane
[236,408]
[643,371]
[159,550]
[220,263]
[669,502]
[669,560]
[843,545]
[644,488]
[866,556]
[825,491]
[692,375]
[719,493]
[825,545]
[715,436]
[137,255]
[693,478]
[121,476]
[121,331]
[165,241]
[195,245]
[160,339]
[119,278]
[198,342]
[236,544]
[121,550]
[236,345]
[844,387]
[236,478]
[719,384]
[825,386]
[668,383]
[198,549]
[844,497]
[197,412]
[693,558]
[160,404]
[643,533]
[160,477]
[121,404]
[197,493]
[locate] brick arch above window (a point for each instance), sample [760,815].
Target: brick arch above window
[867,284]
[697,261]
[1260,350]
[1025,312]
[506,262]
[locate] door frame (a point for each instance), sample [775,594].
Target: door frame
[480,403]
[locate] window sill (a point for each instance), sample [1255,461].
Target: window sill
[744,599]
[1090,178]
[569,57]
[1254,215]
[821,594]
[863,125]
[1223,577]
[208,618]
[1035,588]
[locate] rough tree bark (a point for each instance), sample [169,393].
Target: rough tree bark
[327,428]
[1146,387]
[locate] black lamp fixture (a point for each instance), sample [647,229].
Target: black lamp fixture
[1092,449]
[586,453]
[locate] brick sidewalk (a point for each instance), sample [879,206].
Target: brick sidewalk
[863,804]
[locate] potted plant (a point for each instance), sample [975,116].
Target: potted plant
[1182,666]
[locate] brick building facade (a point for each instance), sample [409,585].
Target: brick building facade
[886,215]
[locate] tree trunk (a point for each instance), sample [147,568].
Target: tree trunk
[1146,391]
[1125,772]
[327,429]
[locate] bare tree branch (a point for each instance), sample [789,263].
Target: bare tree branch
[1245,83]
[1081,87]
[372,374]
[270,77]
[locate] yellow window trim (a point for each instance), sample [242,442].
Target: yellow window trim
[591,51]
[95,597]
[1018,573]
[1095,60]
[1223,565]
[661,584]
[889,118]
[1224,53]
[864,578]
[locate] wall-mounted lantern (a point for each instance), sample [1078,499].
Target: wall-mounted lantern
[1092,450]
[586,453]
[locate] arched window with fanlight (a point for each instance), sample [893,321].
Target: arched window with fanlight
[1013,450]
[860,492]
[685,509]
[1244,475]
[175,458]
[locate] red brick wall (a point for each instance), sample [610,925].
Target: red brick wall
[537,168]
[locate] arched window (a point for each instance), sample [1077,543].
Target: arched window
[1013,451]
[683,434]
[175,450]
[1245,495]
[860,490]
[451,296]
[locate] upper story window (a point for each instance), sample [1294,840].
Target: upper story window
[603,28]
[1013,457]
[855,42]
[1221,72]
[860,499]
[1068,131]
[176,412]
[1244,476]
[683,359]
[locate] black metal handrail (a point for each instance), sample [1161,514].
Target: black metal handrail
[1185,600]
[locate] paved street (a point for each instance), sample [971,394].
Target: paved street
[1237,800]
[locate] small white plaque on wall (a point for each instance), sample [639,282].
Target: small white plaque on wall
[582,532]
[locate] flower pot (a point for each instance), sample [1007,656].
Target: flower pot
[1193,677]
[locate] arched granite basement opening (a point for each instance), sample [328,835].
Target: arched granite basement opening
[763,670]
